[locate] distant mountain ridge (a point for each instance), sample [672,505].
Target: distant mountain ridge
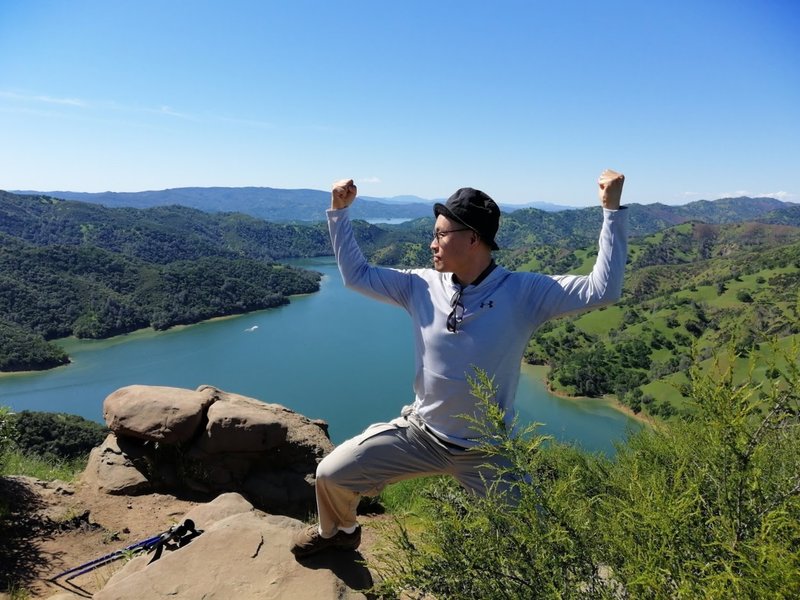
[528,227]
[271,204]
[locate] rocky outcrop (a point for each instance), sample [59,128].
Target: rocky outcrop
[208,442]
[241,553]
[159,414]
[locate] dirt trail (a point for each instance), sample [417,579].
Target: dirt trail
[55,526]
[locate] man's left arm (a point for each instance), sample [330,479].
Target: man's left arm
[559,295]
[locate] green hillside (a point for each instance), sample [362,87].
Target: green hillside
[164,234]
[74,268]
[691,291]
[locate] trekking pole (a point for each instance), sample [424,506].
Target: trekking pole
[177,535]
[111,557]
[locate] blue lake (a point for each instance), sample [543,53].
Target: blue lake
[333,355]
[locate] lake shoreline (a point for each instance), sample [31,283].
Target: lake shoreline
[120,337]
[540,372]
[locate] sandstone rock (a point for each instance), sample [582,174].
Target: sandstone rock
[111,468]
[240,424]
[245,554]
[171,415]
[223,506]
[208,441]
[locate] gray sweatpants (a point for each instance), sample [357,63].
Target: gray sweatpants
[386,453]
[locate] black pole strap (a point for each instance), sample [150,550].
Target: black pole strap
[176,537]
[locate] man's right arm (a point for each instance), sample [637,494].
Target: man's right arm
[388,285]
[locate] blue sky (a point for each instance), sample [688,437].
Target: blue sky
[528,101]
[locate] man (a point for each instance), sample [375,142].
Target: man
[467,313]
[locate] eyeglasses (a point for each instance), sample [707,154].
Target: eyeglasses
[440,234]
[457,314]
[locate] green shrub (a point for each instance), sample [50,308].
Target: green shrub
[46,445]
[711,507]
[56,435]
[707,507]
[472,547]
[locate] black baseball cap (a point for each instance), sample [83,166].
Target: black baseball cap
[475,210]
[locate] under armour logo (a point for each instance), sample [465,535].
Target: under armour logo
[490,304]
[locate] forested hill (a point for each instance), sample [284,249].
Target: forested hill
[68,268]
[165,234]
[532,236]
[161,234]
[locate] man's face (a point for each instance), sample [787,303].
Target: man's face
[450,249]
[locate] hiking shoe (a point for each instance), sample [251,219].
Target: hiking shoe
[309,541]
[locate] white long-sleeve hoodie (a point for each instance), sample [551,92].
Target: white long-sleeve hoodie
[500,315]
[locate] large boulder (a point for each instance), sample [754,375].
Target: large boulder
[209,442]
[159,414]
[239,424]
[242,553]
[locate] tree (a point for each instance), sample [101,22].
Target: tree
[56,435]
[590,372]
[633,354]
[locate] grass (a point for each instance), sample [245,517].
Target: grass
[600,322]
[17,593]
[667,389]
[15,462]
[767,353]
[587,258]
[409,504]
[702,293]
[406,496]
